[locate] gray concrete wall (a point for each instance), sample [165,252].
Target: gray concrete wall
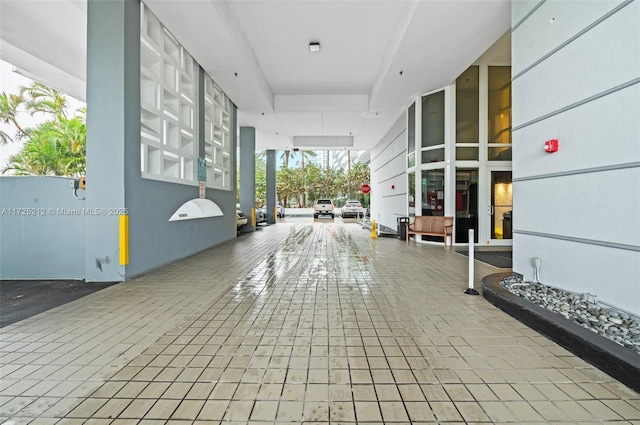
[576,78]
[389,175]
[154,241]
[41,229]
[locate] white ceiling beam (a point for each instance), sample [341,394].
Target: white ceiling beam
[392,49]
[325,141]
[44,72]
[321,103]
[220,47]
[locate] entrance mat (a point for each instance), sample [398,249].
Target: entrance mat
[501,259]
[21,299]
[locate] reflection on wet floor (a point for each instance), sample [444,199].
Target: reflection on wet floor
[300,322]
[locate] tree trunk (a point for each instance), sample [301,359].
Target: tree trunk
[286,159]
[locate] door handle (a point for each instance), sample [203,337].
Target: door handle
[491,210]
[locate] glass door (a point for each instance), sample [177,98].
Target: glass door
[500,207]
[466,204]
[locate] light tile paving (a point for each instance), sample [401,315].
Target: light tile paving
[299,322]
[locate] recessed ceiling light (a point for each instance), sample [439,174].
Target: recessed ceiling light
[314,46]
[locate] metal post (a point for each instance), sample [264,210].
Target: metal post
[470,290]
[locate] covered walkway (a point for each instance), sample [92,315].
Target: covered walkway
[298,322]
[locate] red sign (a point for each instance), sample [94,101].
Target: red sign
[366,188]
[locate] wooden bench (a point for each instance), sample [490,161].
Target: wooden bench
[431,226]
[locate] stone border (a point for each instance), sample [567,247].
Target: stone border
[615,360]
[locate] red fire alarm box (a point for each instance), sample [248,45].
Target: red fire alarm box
[551,146]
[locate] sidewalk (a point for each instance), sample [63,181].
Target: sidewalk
[298,322]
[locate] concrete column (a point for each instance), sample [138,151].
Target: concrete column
[200,108]
[113,129]
[271,185]
[248,174]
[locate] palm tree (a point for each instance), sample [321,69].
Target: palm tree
[9,105]
[303,195]
[285,157]
[55,147]
[41,98]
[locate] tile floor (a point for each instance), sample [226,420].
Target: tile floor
[298,323]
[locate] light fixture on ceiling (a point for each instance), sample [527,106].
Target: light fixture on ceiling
[314,47]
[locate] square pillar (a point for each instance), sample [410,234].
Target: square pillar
[248,174]
[113,132]
[271,185]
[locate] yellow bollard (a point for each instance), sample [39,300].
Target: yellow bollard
[124,239]
[374,229]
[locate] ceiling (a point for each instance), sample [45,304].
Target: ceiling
[375,57]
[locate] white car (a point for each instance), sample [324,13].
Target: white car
[352,208]
[241,219]
[323,207]
[261,216]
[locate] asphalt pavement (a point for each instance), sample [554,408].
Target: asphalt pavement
[21,299]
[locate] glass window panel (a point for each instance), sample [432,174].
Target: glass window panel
[433,119]
[433,192]
[502,203]
[411,131]
[499,106]
[412,193]
[411,161]
[466,204]
[500,153]
[467,153]
[467,106]
[433,155]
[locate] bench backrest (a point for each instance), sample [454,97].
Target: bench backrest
[434,224]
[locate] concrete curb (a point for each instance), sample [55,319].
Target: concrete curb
[615,360]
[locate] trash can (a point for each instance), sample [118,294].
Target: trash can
[507,226]
[402,228]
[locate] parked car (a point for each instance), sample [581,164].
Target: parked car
[241,219]
[352,208]
[323,207]
[261,216]
[279,210]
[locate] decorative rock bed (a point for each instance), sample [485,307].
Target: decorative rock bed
[580,336]
[583,309]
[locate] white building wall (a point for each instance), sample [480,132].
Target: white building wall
[389,175]
[576,78]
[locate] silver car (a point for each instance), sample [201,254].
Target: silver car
[352,208]
[261,216]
